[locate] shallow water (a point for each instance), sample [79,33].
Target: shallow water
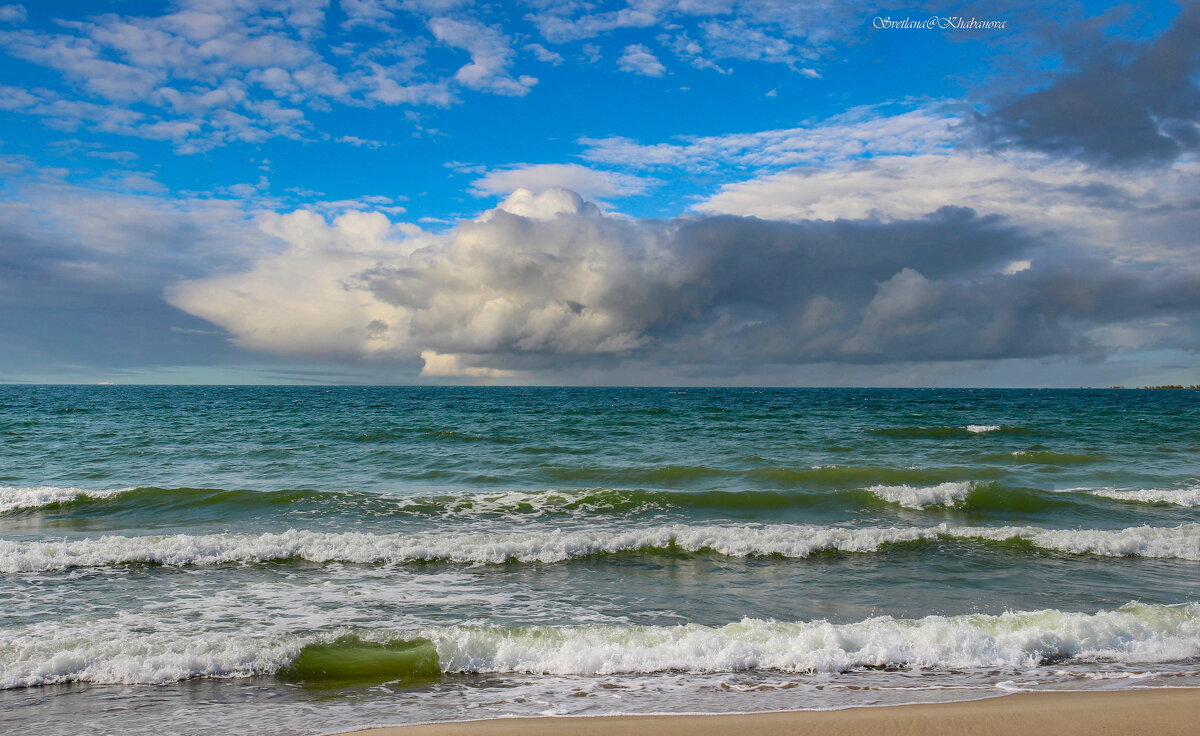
[322,558]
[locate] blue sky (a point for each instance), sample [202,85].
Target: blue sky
[665,192]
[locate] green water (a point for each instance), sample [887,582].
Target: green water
[391,555]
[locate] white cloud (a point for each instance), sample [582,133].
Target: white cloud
[546,284]
[702,32]
[211,73]
[121,157]
[491,56]
[192,74]
[296,301]
[80,60]
[690,50]
[322,293]
[12,14]
[1145,215]
[737,39]
[851,135]
[135,181]
[451,365]
[386,89]
[547,281]
[366,12]
[542,205]
[591,53]
[360,142]
[118,231]
[544,54]
[559,26]
[491,285]
[373,203]
[591,183]
[637,59]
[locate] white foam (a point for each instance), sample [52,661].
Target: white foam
[530,504]
[982,428]
[1181,542]
[47,655]
[1135,633]
[1178,497]
[919,497]
[12,497]
[788,540]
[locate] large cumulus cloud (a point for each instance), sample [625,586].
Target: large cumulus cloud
[548,281]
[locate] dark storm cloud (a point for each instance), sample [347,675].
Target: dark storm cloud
[932,289]
[734,291]
[1114,109]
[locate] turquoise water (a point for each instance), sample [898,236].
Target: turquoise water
[322,558]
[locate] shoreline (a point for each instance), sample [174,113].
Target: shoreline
[1149,712]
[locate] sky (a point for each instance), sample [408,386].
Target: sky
[648,192]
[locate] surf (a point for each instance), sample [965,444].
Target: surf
[760,540]
[1017,641]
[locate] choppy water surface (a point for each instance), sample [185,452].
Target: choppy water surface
[317,559]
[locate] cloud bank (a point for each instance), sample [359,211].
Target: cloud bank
[546,280]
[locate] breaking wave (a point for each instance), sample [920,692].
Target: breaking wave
[1159,496]
[962,495]
[12,498]
[918,497]
[782,540]
[1133,633]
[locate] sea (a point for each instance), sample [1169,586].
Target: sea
[308,560]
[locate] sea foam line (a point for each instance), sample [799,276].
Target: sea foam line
[574,502]
[106,652]
[512,503]
[786,540]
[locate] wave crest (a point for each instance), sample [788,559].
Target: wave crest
[13,498]
[783,540]
[917,497]
[947,431]
[1134,633]
[1189,497]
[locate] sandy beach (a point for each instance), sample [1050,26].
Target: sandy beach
[1161,712]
